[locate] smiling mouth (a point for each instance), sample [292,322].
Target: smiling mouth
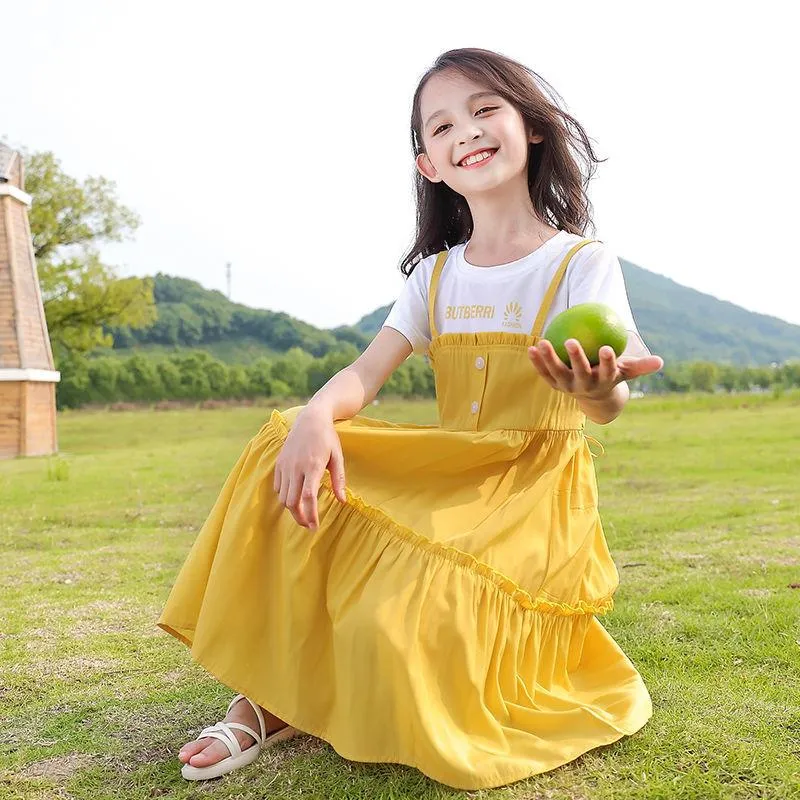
[478,158]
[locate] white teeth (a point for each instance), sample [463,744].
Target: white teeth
[482,156]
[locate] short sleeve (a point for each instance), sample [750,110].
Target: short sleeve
[598,278]
[409,314]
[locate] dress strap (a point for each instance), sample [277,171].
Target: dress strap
[437,271]
[553,288]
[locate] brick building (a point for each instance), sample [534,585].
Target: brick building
[27,377]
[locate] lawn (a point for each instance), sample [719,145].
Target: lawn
[700,499]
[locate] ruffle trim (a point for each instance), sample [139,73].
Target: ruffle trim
[383,522]
[481,339]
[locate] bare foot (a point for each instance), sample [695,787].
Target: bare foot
[207,751]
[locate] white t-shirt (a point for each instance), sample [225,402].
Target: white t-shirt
[507,297]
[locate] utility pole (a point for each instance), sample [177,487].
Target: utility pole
[228,275]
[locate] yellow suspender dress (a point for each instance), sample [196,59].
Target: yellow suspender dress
[446,616]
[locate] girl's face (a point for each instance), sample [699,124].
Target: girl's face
[474,140]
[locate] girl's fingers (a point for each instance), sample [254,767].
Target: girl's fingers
[308,499]
[607,369]
[636,367]
[555,366]
[293,497]
[283,488]
[336,468]
[541,367]
[581,368]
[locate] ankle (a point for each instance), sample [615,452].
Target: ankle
[271,722]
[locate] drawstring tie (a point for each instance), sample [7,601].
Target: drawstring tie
[592,440]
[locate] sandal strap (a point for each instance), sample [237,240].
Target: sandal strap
[222,732]
[261,724]
[247,729]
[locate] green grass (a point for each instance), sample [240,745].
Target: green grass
[701,505]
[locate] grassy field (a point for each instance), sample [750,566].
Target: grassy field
[701,505]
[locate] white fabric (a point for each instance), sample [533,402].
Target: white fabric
[507,297]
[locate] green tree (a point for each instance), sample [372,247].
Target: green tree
[323,369]
[170,376]
[398,383]
[703,376]
[677,378]
[74,387]
[82,296]
[103,377]
[259,375]
[292,369]
[728,377]
[237,381]
[764,377]
[193,368]
[139,379]
[790,373]
[217,377]
[423,383]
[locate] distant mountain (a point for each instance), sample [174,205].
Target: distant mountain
[678,323]
[682,324]
[191,316]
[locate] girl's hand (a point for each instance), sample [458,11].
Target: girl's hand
[311,447]
[584,380]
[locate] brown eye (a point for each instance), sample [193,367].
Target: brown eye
[487,108]
[440,128]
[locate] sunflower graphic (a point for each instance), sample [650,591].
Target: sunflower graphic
[512,315]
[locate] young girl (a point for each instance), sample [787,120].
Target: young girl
[438,606]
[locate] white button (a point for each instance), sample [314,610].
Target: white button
[480,363]
[475,407]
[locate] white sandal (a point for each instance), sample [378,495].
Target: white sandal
[238,757]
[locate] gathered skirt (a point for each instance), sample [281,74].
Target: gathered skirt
[445,617]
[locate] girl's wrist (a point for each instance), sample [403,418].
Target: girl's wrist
[607,407]
[318,408]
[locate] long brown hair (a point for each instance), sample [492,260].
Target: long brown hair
[555,180]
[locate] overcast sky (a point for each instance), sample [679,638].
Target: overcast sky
[275,136]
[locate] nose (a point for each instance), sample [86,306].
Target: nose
[469,134]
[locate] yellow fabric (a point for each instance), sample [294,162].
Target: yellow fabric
[445,617]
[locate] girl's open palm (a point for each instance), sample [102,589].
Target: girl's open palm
[584,380]
[311,447]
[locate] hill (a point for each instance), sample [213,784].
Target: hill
[191,316]
[682,324]
[677,322]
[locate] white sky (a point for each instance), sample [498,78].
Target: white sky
[275,135]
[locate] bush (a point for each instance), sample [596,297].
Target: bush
[194,375]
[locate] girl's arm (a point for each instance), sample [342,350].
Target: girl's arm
[313,445]
[607,408]
[356,386]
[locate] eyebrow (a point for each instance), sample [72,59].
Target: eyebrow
[472,97]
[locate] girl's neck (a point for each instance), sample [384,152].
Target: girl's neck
[505,226]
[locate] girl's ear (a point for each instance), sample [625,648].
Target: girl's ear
[426,169]
[535,138]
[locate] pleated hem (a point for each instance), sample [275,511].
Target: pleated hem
[498,779]
[382,522]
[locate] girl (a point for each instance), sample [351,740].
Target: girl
[441,608]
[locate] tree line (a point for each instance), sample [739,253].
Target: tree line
[194,375]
